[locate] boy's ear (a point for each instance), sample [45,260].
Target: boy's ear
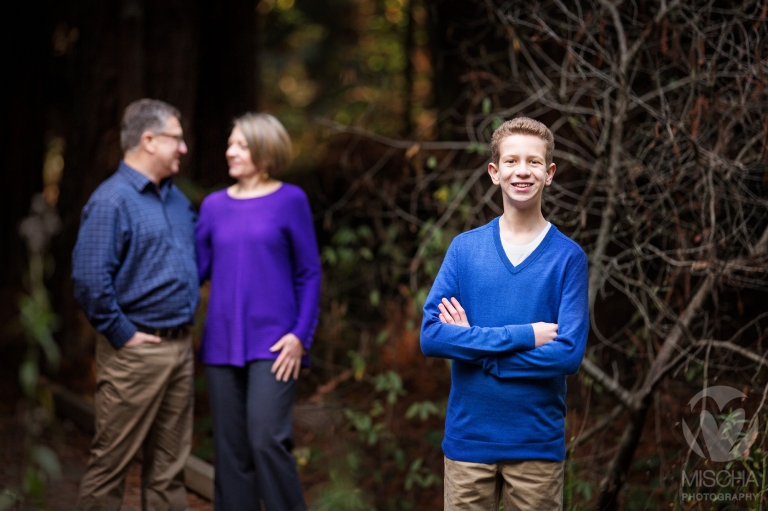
[493,171]
[550,173]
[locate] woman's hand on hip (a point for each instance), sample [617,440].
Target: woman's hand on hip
[288,362]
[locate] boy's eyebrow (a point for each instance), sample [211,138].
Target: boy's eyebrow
[507,155]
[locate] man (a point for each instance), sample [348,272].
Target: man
[515,325]
[135,277]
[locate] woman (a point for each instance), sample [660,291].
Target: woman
[256,244]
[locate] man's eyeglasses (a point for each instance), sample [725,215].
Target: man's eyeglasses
[178,138]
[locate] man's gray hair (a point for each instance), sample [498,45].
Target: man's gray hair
[144,115]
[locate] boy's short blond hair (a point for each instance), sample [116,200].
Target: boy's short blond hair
[268,141]
[522,126]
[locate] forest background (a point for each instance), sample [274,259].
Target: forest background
[661,125]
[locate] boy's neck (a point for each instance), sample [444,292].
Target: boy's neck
[520,227]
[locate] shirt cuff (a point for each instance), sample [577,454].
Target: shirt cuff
[521,336]
[121,332]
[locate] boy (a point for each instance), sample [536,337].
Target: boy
[522,328]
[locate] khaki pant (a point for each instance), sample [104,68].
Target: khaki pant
[532,485]
[143,405]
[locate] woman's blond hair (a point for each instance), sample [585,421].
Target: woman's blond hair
[268,141]
[522,126]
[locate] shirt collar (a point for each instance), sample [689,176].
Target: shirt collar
[142,182]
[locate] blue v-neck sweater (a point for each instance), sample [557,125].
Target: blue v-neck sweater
[507,399]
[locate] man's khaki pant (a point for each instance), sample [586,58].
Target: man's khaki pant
[143,404]
[532,485]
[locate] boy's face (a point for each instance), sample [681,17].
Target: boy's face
[522,171]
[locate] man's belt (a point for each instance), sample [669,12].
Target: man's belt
[174,332]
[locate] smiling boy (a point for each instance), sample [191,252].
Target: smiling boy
[509,307]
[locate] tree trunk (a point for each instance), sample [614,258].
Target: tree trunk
[25,51]
[228,83]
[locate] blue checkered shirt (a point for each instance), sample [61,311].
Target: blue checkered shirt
[134,260]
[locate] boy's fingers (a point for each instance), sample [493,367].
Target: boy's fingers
[449,306]
[449,315]
[462,312]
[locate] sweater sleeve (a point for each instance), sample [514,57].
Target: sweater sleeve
[306,272]
[103,237]
[563,355]
[203,230]
[471,344]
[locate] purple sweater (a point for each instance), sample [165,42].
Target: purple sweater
[261,257]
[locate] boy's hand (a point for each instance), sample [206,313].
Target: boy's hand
[452,312]
[544,333]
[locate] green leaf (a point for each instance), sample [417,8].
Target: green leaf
[365,253]
[346,255]
[50,348]
[8,499]
[391,383]
[431,162]
[358,365]
[344,236]
[376,408]
[392,232]
[364,232]
[382,337]
[478,147]
[487,105]
[34,482]
[28,374]
[46,459]
[422,410]
[329,256]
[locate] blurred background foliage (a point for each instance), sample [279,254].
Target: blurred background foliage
[390,105]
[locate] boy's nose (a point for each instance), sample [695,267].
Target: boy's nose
[522,170]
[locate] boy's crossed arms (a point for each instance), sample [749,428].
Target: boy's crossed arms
[452,313]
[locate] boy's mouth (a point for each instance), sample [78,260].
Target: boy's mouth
[522,185]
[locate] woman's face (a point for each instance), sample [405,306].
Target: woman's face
[239,156]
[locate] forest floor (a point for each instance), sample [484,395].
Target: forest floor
[71,446]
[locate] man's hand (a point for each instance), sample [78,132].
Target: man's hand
[452,312]
[544,333]
[140,338]
[288,363]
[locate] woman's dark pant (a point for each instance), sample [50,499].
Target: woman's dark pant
[253,437]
